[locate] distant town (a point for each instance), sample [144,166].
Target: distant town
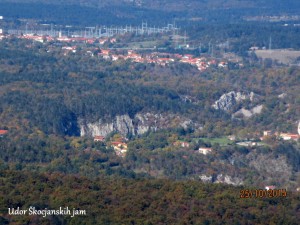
[71,44]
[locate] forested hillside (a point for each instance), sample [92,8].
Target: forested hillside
[126,201]
[45,96]
[52,91]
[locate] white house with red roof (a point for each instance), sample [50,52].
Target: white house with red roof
[289,136]
[3,132]
[99,138]
[205,151]
[270,187]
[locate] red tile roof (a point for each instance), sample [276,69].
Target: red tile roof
[3,132]
[99,138]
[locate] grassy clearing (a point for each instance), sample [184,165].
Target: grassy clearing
[223,141]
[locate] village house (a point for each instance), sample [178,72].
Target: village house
[267,133]
[231,137]
[99,138]
[182,144]
[134,56]
[49,38]
[222,65]
[164,61]
[270,187]
[187,56]
[103,40]
[119,147]
[90,40]
[114,57]
[69,48]
[105,51]
[178,56]
[3,132]
[139,60]
[130,52]
[283,136]
[118,144]
[205,151]
[113,40]
[289,136]
[212,62]
[33,37]
[64,39]
[105,54]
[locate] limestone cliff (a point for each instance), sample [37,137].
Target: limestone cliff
[140,124]
[228,100]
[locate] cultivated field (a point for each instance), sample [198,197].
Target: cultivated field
[284,56]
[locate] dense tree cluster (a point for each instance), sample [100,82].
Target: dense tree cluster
[127,201]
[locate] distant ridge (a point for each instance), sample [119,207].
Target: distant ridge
[174,5]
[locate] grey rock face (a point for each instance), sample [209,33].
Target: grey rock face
[228,100]
[123,124]
[206,178]
[248,113]
[220,178]
[282,96]
[225,179]
[140,124]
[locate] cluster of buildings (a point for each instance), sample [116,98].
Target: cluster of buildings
[163,59]
[60,38]
[283,136]
[184,144]
[120,148]
[202,63]
[47,38]
[119,145]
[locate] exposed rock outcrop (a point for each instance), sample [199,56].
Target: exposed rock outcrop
[248,113]
[220,178]
[140,124]
[206,178]
[189,99]
[122,123]
[228,100]
[225,179]
[282,96]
